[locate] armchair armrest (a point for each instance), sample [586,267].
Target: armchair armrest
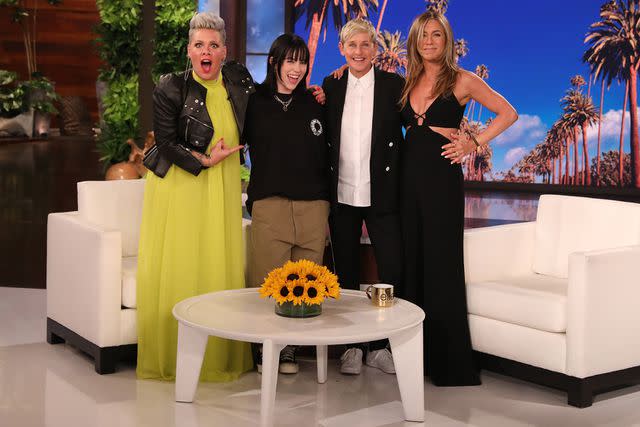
[498,251]
[84,279]
[603,318]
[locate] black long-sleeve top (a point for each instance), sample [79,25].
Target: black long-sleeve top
[288,149]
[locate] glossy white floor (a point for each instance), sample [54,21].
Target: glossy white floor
[55,386]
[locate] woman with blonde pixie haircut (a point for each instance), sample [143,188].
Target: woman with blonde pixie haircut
[433,103]
[356,26]
[191,231]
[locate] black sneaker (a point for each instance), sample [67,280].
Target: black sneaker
[288,364]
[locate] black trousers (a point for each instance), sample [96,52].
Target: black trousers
[345,222]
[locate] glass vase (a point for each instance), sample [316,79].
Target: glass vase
[288,309]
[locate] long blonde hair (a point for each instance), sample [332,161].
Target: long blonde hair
[446,79]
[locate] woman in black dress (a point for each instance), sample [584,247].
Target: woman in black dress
[433,103]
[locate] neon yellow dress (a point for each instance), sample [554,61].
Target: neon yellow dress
[191,244]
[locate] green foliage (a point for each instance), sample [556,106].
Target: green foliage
[119,48]
[17,97]
[172,33]
[7,77]
[121,14]
[120,119]
[119,37]
[13,95]
[42,94]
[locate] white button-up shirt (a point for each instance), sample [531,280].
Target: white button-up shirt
[354,180]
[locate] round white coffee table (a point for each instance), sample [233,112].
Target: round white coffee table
[242,315]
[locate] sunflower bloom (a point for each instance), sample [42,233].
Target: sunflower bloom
[297,292]
[300,282]
[283,293]
[313,295]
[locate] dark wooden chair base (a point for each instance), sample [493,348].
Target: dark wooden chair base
[580,391]
[105,358]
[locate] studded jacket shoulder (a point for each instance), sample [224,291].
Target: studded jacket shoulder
[181,121]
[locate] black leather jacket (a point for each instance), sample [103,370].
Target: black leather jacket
[181,122]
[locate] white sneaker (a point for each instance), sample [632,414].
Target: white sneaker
[288,364]
[381,359]
[351,361]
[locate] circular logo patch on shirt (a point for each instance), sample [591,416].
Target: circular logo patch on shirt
[316,127]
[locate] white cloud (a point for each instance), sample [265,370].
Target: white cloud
[527,128]
[610,126]
[513,155]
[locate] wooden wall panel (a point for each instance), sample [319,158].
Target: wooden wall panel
[65,50]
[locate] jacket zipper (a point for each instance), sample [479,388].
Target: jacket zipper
[199,121]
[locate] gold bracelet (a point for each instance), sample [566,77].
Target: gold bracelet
[475,141]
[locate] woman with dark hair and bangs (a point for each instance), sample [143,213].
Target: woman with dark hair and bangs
[288,189]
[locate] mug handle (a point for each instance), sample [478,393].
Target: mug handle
[368,290]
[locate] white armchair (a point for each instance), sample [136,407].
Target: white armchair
[557,301]
[91,271]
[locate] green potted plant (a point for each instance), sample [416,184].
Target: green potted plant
[15,117]
[38,93]
[41,97]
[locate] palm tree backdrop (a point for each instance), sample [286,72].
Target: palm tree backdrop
[610,170]
[614,47]
[315,13]
[439,6]
[381,15]
[581,114]
[565,129]
[483,72]
[392,52]
[461,48]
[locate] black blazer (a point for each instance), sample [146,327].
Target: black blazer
[386,137]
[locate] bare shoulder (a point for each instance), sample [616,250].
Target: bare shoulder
[467,78]
[467,83]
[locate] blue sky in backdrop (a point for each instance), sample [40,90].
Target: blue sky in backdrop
[532,49]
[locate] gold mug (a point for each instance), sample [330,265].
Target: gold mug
[380,294]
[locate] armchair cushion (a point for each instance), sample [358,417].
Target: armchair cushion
[532,300]
[568,224]
[114,205]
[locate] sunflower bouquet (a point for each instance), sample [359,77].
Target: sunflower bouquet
[300,287]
